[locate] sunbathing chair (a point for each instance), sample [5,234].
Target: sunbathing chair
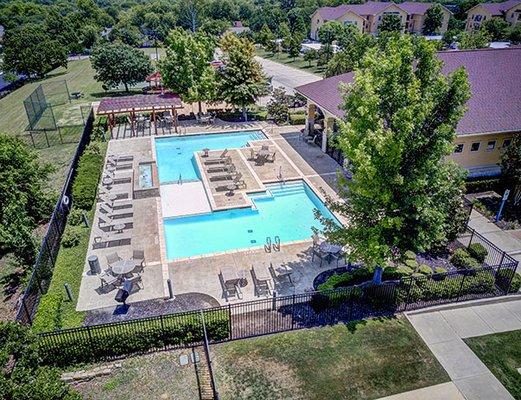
[112,215]
[108,281]
[222,158]
[237,181]
[231,174]
[227,167]
[113,159]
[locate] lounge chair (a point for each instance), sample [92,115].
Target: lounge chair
[227,166]
[237,181]
[230,174]
[261,280]
[113,258]
[223,157]
[113,159]
[112,215]
[139,260]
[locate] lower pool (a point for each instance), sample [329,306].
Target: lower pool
[175,155]
[283,210]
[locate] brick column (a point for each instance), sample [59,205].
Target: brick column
[310,120]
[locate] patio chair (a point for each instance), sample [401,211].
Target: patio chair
[253,154]
[265,147]
[316,251]
[217,159]
[108,281]
[338,256]
[271,158]
[128,283]
[139,260]
[113,258]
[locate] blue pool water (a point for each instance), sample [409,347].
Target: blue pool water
[175,155]
[284,210]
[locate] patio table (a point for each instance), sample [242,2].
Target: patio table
[123,267]
[118,227]
[330,249]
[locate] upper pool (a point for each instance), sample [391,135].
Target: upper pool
[175,155]
[286,211]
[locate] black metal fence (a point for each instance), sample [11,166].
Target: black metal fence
[44,265]
[279,314]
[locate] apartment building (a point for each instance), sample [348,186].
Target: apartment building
[368,16]
[492,119]
[510,11]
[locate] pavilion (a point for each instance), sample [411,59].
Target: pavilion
[136,105]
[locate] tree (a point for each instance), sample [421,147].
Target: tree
[241,81]
[29,51]
[330,31]
[117,64]
[511,169]
[186,68]
[390,23]
[497,28]
[24,202]
[190,12]
[353,47]
[325,54]
[473,40]
[310,56]
[265,36]
[127,34]
[433,20]
[278,106]
[400,118]
[515,34]
[284,34]
[294,46]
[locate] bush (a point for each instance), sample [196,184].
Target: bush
[504,277]
[460,258]
[483,186]
[410,255]
[297,119]
[85,184]
[478,252]
[425,269]
[404,270]
[71,237]
[413,264]
[105,342]
[75,217]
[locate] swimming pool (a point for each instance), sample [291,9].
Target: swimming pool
[175,155]
[283,210]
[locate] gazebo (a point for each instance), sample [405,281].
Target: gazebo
[155,81]
[137,104]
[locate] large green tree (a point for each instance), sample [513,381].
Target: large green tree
[120,64]
[400,118]
[241,80]
[473,40]
[24,202]
[511,169]
[433,20]
[186,68]
[29,50]
[497,28]
[330,31]
[390,23]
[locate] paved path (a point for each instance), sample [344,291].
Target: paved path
[285,76]
[443,332]
[508,240]
[443,391]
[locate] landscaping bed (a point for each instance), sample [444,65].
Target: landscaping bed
[501,353]
[488,204]
[359,360]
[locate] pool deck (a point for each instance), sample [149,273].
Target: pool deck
[295,159]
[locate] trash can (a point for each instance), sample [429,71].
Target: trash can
[94,265]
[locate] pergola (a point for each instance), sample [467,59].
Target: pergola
[141,103]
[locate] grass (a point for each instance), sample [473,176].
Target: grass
[363,360]
[153,376]
[298,62]
[501,353]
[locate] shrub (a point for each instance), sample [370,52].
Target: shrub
[413,264]
[404,270]
[297,119]
[336,281]
[478,252]
[409,255]
[460,258]
[75,217]
[483,185]
[106,342]
[503,278]
[71,237]
[85,184]
[425,269]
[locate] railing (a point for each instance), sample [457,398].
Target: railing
[44,265]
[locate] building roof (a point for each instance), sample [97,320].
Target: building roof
[414,7]
[495,103]
[368,8]
[499,8]
[139,102]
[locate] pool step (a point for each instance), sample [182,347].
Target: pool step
[288,189]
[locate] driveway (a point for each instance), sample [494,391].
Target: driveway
[285,76]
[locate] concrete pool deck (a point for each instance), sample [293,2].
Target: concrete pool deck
[295,158]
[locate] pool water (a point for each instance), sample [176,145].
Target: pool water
[283,210]
[175,155]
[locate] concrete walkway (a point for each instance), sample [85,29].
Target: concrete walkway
[443,331]
[443,391]
[285,76]
[507,240]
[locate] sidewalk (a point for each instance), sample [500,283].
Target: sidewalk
[443,332]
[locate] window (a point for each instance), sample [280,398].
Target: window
[477,18]
[491,145]
[506,142]
[474,146]
[459,148]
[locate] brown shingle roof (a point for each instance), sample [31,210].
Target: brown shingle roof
[499,8]
[495,103]
[368,8]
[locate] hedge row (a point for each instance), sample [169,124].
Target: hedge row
[83,345]
[85,184]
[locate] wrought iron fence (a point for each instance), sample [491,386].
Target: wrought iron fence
[44,265]
[272,315]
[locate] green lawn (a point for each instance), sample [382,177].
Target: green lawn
[299,63]
[364,360]
[501,353]
[153,376]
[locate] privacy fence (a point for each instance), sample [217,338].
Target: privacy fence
[281,313]
[44,265]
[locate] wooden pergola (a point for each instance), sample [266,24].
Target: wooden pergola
[141,103]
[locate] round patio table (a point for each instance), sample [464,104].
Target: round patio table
[330,248]
[231,187]
[123,267]
[263,153]
[118,227]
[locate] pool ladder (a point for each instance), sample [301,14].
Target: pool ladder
[272,246]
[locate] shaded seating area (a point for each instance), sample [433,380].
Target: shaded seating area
[263,155]
[326,251]
[144,112]
[122,274]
